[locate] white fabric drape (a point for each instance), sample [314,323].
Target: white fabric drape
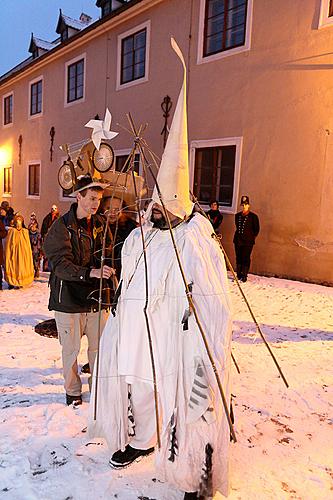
[125,358]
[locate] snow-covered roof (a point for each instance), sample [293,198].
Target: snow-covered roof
[75,24]
[40,44]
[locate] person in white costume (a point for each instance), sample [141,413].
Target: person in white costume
[194,429]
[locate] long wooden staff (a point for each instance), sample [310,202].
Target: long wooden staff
[100,295]
[244,297]
[150,343]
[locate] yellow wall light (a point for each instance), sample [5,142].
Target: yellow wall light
[5,156]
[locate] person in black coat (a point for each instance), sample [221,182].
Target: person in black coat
[48,220]
[247,229]
[215,216]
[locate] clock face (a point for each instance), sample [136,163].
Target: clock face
[66,175]
[103,158]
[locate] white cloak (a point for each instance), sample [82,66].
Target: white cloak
[180,355]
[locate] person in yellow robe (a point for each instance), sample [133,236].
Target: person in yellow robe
[19,270]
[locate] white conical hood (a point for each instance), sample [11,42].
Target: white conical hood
[173,174]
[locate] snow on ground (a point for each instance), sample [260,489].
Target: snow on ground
[285,436]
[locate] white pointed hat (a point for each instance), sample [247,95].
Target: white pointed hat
[173,175]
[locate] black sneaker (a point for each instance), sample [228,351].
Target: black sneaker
[193,495]
[124,458]
[73,400]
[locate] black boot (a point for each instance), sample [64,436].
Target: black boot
[192,495]
[73,400]
[245,270]
[239,272]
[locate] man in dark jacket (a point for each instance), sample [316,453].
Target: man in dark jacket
[46,224]
[247,229]
[74,246]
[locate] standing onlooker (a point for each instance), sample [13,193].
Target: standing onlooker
[74,245]
[7,214]
[247,229]
[36,244]
[3,234]
[215,216]
[121,225]
[48,220]
[19,269]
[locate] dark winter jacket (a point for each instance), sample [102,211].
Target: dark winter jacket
[215,218]
[247,228]
[47,223]
[3,234]
[73,253]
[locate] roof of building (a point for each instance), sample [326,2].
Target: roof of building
[76,24]
[41,44]
[57,44]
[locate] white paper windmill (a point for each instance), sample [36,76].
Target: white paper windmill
[101,129]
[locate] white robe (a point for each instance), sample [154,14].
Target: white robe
[125,356]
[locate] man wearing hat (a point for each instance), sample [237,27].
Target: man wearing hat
[194,432]
[74,245]
[247,229]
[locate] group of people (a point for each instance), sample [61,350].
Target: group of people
[21,247]
[247,229]
[159,334]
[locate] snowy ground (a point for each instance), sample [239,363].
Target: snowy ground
[285,436]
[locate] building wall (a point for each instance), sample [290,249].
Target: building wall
[277,97]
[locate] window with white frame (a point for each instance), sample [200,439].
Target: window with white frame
[326,13]
[215,171]
[34,179]
[8,109]
[36,97]
[133,56]
[75,80]
[224,28]
[7,180]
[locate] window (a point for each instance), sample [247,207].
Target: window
[7,180]
[75,81]
[133,52]
[64,34]
[225,25]
[8,109]
[133,56]
[215,168]
[224,28]
[106,8]
[326,13]
[121,160]
[34,179]
[36,95]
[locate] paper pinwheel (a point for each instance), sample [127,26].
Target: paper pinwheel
[101,129]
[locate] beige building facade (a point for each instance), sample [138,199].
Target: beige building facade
[260,101]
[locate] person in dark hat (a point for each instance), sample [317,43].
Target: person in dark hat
[247,229]
[74,247]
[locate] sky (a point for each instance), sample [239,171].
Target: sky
[20,18]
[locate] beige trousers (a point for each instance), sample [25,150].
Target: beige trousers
[71,327]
